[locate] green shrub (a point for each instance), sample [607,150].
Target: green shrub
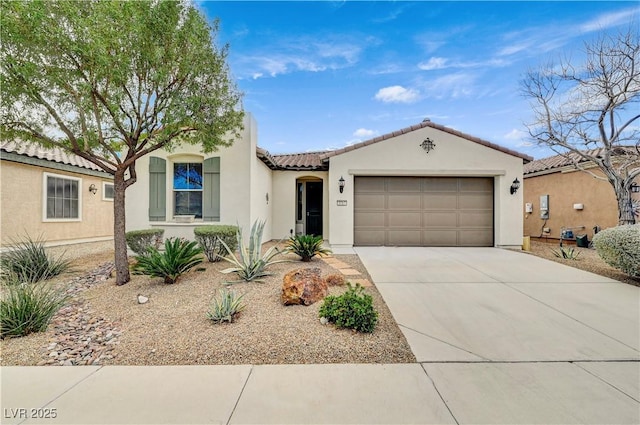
[250,264]
[225,308]
[620,248]
[28,262]
[566,253]
[140,241]
[25,309]
[307,246]
[179,257]
[353,310]
[209,238]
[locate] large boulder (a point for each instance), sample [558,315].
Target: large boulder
[303,286]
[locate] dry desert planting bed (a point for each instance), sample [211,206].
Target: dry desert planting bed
[105,324]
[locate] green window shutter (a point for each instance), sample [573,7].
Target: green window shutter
[211,189]
[157,189]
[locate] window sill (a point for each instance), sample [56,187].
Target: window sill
[198,222]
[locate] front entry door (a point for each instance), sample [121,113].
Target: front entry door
[314,208]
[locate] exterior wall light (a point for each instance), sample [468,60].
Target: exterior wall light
[341,184]
[93,189]
[515,186]
[635,187]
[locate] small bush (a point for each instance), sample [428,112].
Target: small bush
[306,246]
[226,307]
[26,309]
[140,241]
[209,238]
[250,264]
[179,257]
[566,253]
[620,247]
[353,310]
[28,262]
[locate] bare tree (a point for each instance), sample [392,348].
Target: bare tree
[588,113]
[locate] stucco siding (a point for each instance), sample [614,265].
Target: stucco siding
[566,189]
[22,206]
[403,156]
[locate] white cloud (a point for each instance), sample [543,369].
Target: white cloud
[397,94]
[515,134]
[362,133]
[433,63]
[455,85]
[608,20]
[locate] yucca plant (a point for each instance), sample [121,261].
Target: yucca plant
[226,307]
[179,257]
[250,264]
[566,253]
[28,262]
[28,308]
[307,246]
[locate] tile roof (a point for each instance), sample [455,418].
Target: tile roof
[294,161]
[424,124]
[561,160]
[50,154]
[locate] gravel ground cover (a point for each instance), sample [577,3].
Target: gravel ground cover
[104,324]
[587,260]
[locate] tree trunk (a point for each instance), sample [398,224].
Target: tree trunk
[625,208]
[119,221]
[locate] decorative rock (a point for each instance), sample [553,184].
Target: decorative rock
[335,279]
[142,299]
[303,286]
[324,320]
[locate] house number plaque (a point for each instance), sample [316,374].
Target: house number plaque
[342,202]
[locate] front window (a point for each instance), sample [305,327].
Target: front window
[107,191]
[187,189]
[62,197]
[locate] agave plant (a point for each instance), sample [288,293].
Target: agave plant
[179,257]
[307,246]
[226,307]
[250,264]
[566,253]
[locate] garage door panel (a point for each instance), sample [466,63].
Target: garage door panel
[440,184]
[370,237]
[404,202]
[423,211]
[475,201]
[369,201]
[476,185]
[369,219]
[475,237]
[370,184]
[476,219]
[404,219]
[404,184]
[439,201]
[440,219]
[404,238]
[440,237]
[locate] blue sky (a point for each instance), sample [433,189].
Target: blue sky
[324,75]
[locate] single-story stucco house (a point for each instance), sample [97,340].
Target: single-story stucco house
[425,185]
[50,194]
[576,201]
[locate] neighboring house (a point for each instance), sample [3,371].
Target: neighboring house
[49,194]
[426,185]
[577,201]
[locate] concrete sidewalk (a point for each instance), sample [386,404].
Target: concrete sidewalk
[500,337]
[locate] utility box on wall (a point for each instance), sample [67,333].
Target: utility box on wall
[544,207]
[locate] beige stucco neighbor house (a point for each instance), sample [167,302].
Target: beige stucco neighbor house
[576,201]
[49,194]
[425,185]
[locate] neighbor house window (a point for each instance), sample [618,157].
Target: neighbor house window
[61,197]
[187,189]
[107,191]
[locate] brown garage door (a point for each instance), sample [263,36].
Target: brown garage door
[423,211]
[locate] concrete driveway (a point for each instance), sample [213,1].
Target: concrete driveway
[507,337]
